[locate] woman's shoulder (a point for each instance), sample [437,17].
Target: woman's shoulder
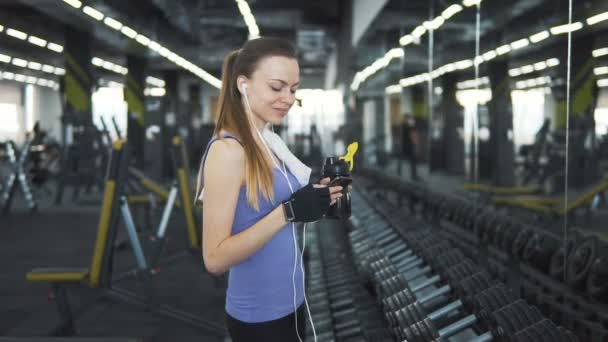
[228,150]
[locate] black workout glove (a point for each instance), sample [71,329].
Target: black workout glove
[307,204]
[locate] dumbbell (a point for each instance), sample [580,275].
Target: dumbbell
[539,249]
[580,261]
[597,280]
[488,299]
[444,258]
[500,323]
[397,287]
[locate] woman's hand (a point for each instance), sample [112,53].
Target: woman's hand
[334,191]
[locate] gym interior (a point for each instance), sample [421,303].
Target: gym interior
[476,133]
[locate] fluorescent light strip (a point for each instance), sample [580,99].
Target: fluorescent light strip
[249,19]
[405,40]
[469,3]
[538,37]
[37,41]
[600,70]
[22,63]
[55,47]
[73,3]
[566,28]
[93,13]
[16,33]
[113,23]
[518,44]
[5,58]
[34,65]
[602,83]
[600,52]
[597,18]
[164,52]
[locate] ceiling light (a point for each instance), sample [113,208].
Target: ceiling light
[20,78]
[129,32]
[93,13]
[48,68]
[597,71]
[597,18]
[20,62]
[59,71]
[450,11]
[154,46]
[540,66]
[1,28]
[406,40]
[96,61]
[8,75]
[113,23]
[158,92]
[31,79]
[43,82]
[244,8]
[117,68]
[518,44]
[107,65]
[37,41]
[600,52]
[16,33]
[514,72]
[526,69]
[437,22]
[418,31]
[5,58]
[489,55]
[393,89]
[395,53]
[34,65]
[73,3]
[469,3]
[535,38]
[55,47]
[501,50]
[163,51]
[467,63]
[602,83]
[143,40]
[552,62]
[566,28]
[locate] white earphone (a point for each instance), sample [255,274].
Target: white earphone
[283,171]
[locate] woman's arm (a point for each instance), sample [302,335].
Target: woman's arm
[224,173]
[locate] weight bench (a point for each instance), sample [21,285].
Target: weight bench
[98,278]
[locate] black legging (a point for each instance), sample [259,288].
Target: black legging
[280,330]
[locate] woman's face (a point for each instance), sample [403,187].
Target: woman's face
[272,87]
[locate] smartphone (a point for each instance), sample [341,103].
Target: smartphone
[341,181]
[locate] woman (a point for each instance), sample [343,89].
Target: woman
[251,199]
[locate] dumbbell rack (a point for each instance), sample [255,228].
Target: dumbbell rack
[527,258]
[529,261]
[341,308]
[387,253]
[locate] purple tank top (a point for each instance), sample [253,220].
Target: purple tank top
[260,288]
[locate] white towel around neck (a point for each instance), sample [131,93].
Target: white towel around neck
[280,149]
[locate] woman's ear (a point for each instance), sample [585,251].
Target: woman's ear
[241,83]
